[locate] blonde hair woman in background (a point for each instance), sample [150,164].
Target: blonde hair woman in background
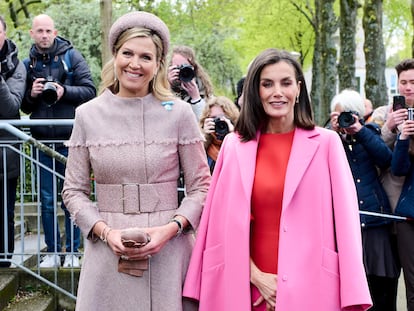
[216,121]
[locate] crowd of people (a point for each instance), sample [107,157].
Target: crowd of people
[277,213]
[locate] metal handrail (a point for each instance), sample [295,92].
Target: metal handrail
[10,126]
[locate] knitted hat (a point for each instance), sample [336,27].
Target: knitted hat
[140,19]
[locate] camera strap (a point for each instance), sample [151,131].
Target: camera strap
[61,63]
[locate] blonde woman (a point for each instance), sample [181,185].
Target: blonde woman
[135,136]
[216,121]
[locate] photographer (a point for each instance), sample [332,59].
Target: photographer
[58,80]
[366,152]
[216,121]
[188,79]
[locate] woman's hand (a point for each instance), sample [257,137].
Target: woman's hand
[229,124]
[266,283]
[334,121]
[355,127]
[209,126]
[159,235]
[192,89]
[407,129]
[172,75]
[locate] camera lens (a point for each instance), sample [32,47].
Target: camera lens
[186,73]
[221,128]
[346,119]
[49,93]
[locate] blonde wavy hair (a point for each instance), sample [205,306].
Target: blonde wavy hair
[229,108]
[159,85]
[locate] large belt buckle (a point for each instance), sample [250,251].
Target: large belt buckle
[130,198]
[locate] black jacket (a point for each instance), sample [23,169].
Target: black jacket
[12,88]
[366,151]
[78,90]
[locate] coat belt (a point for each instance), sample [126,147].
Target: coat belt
[132,198]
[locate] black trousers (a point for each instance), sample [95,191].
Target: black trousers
[405,240]
[9,218]
[383,293]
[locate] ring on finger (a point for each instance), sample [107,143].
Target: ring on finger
[124,257]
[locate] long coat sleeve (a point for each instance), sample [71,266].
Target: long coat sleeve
[320,264]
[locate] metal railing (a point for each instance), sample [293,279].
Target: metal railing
[29,241]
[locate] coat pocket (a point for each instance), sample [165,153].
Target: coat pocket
[330,261]
[213,257]
[212,294]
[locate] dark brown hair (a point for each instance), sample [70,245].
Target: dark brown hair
[253,116]
[405,65]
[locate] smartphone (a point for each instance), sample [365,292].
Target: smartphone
[410,113]
[398,102]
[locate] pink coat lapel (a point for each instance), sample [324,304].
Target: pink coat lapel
[246,156]
[303,150]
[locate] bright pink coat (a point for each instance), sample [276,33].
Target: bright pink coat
[312,275]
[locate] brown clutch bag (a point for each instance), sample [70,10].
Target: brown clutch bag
[134,238]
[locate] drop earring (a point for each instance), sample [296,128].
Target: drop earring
[115,77]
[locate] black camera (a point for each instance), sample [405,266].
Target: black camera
[49,93]
[221,128]
[346,118]
[186,73]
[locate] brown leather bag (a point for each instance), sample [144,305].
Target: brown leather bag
[134,238]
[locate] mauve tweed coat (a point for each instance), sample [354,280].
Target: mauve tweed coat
[134,140]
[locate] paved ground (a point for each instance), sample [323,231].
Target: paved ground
[401,303]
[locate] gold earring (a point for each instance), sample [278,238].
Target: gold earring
[115,77]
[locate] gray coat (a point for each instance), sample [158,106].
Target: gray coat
[12,88]
[135,141]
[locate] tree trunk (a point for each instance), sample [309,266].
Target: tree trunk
[375,84]
[106,22]
[317,83]
[328,70]
[412,20]
[347,26]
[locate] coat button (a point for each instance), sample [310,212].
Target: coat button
[285,278]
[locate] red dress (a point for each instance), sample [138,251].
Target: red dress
[267,195]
